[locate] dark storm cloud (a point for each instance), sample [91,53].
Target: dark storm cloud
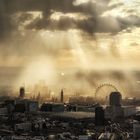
[94,22]
[88,25]
[129,21]
[42,5]
[92,9]
[65,23]
[9,7]
[5,21]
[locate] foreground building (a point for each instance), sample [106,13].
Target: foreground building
[115,110]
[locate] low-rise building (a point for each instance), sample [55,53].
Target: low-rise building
[136,131]
[119,111]
[52,107]
[107,136]
[84,137]
[23,127]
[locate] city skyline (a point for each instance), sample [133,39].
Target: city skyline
[69,69]
[71,42]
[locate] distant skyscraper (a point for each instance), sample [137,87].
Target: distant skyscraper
[22,92]
[115,99]
[62,96]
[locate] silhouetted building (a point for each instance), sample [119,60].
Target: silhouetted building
[26,106]
[115,99]
[20,107]
[52,107]
[136,131]
[46,107]
[32,106]
[62,96]
[99,116]
[72,108]
[117,112]
[10,101]
[22,93]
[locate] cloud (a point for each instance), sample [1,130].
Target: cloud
[98,14]
[9,7]
[91,9]
[80,37]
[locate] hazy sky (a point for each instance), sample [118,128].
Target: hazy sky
[58,38]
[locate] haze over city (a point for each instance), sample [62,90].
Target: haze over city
[69,70]
[72,44]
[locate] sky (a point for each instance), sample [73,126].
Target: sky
[78,44]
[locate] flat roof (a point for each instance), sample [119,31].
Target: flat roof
[75,115]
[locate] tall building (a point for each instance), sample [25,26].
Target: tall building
[62,96]
[22,92]
[115,99]
[99,116]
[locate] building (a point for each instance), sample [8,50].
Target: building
[129,111]
[107,136]
[26,106]
[136,131]
[21,92]
[3,111]
[84,137]
[119,112]
[115,111]
[74,116]
[115,99]
[20,107]
[52,107]
[23,127]
[82,108]
[18,138]
[62,96]
[99,116]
